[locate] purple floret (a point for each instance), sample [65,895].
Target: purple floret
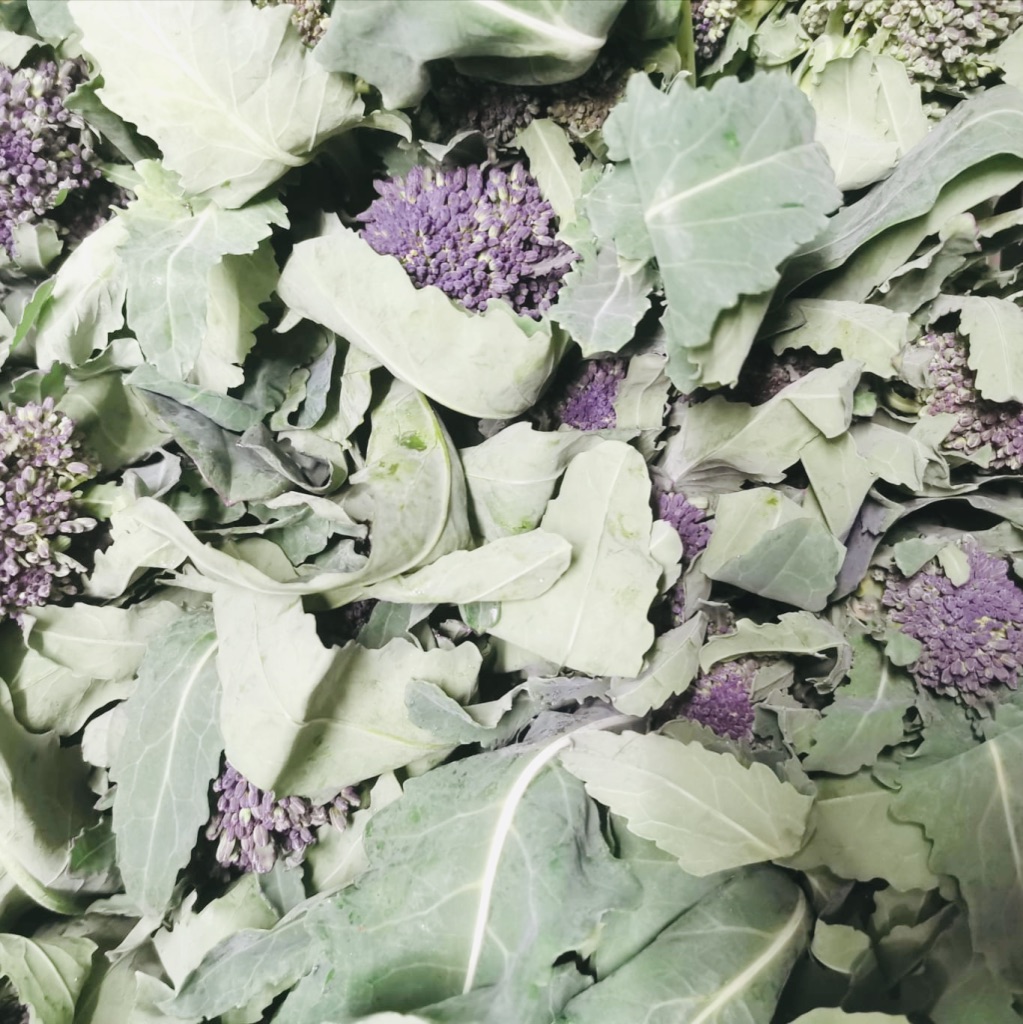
[972,635]
[39,469]
[720,699]
[44,148]
[711,21]
[693,530]
[254,829]
[588,402]
[979,422]
[476,233]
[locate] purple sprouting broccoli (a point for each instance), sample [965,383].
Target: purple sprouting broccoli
[943,43]
[690,521]
[310,17]
[40,467]
[254,829]
[476,233]
[765,374]
[45,149]
[588,399]
[979,422]
[711,21]
[971,635]
[720,699]
[87,209]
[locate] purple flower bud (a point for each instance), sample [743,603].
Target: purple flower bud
[588,401]
[694,531]
[971,635]
[711,21]
[477,234]
[308,16]
[720,699]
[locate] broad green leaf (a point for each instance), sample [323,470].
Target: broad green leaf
[492,364]
[513,568]
[594,617]
[766,544]
[725,960]
[224,411]
[995,330]
[512,475]
[986,126]
[517,907]
[642,398]
[703,807]
[229,92]
[894,456]
[872,334]
[840,479]
[13,47]
[670,666]
[300,718]
[793,633]
[722,356]
[969,803]
[762,441]
[47,974]
[854,836]
[173,246]
[166,759]
[835,1015]
[390,44]
[602,299]
[695,155]
[838,946]
[44,804]
[552,163]
[866,715]
[868,116]
[78,658]
[86,305]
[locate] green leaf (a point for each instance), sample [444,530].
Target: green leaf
[602,299]
[834,1015]
[492,364]
[670,666]
[518,906]
[766,544]
[969,803]
[866,716]
[514,568]
[552,163]
[854,836]
[518,41]
[983,127]
[228,92]
[47,974]
[172,248]
[840,479]
[167,757]
[717,236]
[77,659]
[995,330]
[793,633]
[344,717]
[724,960]
[872,334]
[224,411]
[703,807]
[594,617]
[86,305]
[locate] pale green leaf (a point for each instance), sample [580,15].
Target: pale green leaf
[226,412]
[594,617]
[492,364]
[705,808]
[602,299]
[167,757]
[517,907]
[1009,57]
[514,568]
[995,353]
[893,455]
[47,974]
[512,475]
[840,478]
[865,717]
[13,47]
[300,718]
[854,836]
[766,544]
[695,154]
[86,305]
[172,247]
[838,946]
[670,666]
[552,163]
[721,358]
[642,396]
[969,803]
[793,633]
[872,334]
[835,1015]
[390,44]
[228,92]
